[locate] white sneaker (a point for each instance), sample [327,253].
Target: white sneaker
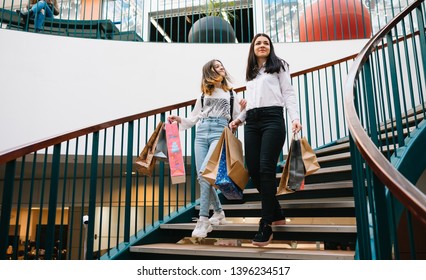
[218,218]
[201,229]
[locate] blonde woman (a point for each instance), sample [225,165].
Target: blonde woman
[213,113]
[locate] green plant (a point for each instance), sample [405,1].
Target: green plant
[221,9]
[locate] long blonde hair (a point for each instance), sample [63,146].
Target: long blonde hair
[211,77]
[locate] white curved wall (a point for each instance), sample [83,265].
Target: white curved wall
[51,85]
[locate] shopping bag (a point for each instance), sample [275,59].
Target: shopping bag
[300,154]
[145,170]
[310,160]
[234,160]
[145,162]
[223,182]
[212,165]
[161,148]
[174,150]
[294,170]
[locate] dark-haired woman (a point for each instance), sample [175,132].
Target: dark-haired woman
[269,91]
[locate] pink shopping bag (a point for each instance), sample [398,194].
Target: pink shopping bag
[174,149]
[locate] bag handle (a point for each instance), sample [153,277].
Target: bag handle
[296,136]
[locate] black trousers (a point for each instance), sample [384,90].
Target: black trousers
[264,137]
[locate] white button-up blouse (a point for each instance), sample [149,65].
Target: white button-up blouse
[271,90]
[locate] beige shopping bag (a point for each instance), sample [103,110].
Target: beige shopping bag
[234,160]
[210,172]
[145,162]
[309,158]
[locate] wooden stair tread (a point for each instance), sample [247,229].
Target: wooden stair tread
[281,228]
[325,170]
[333,148]
[339,156]
[242,252]
[418,111]
[315,186]
[338,202]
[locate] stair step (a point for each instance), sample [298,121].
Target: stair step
[333,149]
[213,251]
[338,202]
[315,186]
[281,228]
[340,156]
[411,119]
[330,185]
[328,170]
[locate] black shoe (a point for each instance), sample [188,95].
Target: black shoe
[264,236]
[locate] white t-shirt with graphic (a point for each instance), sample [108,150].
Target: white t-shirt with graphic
[216,105]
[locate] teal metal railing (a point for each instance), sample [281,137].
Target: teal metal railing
[47,191]
[385,109]
[178,21]
[48,187]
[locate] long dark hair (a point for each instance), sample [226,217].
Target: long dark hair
[210,77]
[273,62]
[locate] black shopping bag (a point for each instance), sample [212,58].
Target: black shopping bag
[293,175]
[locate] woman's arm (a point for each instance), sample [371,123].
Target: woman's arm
[191,120]
[288,93]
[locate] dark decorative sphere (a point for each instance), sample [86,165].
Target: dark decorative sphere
[211,29]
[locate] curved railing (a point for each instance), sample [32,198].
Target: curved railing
[48,186]
[385,108]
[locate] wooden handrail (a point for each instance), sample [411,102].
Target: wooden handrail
[16,152]
[412,198]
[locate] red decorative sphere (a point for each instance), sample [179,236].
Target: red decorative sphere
[335,20]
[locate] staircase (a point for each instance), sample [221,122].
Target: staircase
[320,222]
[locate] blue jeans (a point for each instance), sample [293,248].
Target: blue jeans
[264,136]
[39,16]
[207,136]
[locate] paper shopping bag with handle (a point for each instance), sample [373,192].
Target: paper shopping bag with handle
[212,166]
[235,160]
[310,160]
[161,148]
[145,162]
[294,171]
